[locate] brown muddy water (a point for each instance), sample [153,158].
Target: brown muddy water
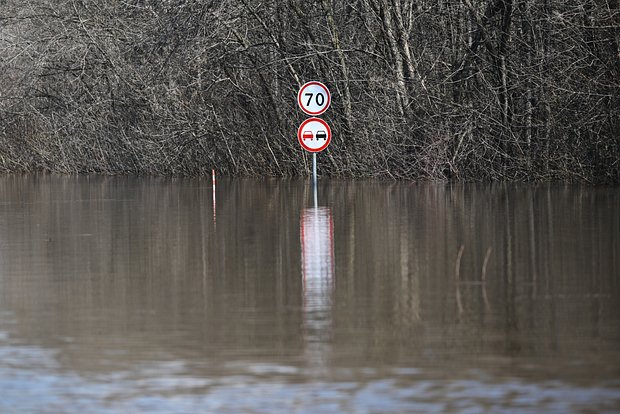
[145,295]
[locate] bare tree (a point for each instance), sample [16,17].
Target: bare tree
[498,89]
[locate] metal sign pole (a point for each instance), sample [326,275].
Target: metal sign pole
[314,168]
[314,179]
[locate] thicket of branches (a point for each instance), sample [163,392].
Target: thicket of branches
[490,89]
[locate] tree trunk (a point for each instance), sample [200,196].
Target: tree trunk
[388,30]
[335,40]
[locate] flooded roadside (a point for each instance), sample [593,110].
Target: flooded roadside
[137,295]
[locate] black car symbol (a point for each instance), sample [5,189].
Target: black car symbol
[321,135]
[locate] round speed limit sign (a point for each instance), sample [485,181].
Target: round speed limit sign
[314,98]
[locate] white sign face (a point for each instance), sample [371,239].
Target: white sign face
[314,134]
[314,98]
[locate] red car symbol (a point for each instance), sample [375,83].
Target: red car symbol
[307,135]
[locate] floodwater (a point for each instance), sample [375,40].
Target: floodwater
[146,295]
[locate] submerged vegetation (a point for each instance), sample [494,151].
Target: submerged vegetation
[459,89]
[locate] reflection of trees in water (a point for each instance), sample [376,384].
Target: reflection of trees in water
[137,265]
[550,261]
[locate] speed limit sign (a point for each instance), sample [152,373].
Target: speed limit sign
[314,98]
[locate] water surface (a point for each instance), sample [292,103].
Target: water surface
[150,295]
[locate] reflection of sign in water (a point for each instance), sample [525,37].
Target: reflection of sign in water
[317,266]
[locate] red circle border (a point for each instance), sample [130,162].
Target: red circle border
[301,142]
[304,86]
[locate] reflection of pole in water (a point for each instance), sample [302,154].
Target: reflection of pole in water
[317,266]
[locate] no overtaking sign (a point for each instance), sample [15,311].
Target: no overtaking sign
[314,134]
